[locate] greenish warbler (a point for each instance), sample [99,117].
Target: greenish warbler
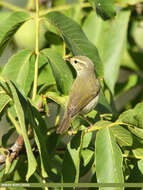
[84,93]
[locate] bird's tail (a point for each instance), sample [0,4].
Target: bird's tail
[65,124]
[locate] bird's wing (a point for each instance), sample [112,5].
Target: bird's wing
[78,105]
[80,96]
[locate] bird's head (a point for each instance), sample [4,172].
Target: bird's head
[81,64]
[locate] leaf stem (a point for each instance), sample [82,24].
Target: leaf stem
[94,128]
[37,21]
[98,127]
[80,149]
[11,7]
[64,49]
[132,156]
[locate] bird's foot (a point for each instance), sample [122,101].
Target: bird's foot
[72,132]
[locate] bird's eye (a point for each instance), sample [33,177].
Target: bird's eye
[75,61]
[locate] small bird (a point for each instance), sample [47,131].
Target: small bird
[84,93]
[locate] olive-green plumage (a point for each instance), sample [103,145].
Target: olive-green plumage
[84,93]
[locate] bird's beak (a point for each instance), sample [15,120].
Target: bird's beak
[68,59]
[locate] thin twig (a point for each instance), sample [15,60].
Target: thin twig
[14,151]
[36,51]
[94,128]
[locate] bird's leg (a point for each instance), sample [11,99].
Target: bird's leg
[72,131]
[85,119]
[107,116]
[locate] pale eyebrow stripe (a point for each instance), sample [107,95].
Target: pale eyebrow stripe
[80,61]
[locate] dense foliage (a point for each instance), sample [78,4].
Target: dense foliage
[36,80]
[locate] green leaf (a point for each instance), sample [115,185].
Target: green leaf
[12,167]
[133,117]
[9,26]
[4,16]
[70,163]
[86,140]
[103,105]
[108,158]
[126,86]
[7,165]
[6,137]
[138,152]
[113,47]
[17,98]
[59,2]
[21,168]
[86,155]
[20,69]
[61,100]
[138,111]
[44,71]
[71,160]
[45,83]
[109,38]
[40,141]
[136,131]
[61,70]
[127,2]
[57,166]
[123,136]
[87,162]
[128,117]
[4,100]
[92,27]
[75,39]
[2,172]
[129,62]
[140,166]
[52,141]
[104,8]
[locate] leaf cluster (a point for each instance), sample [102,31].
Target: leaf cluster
[35,84]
